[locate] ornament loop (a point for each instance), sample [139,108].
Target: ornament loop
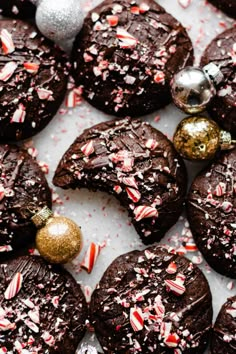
[41,217]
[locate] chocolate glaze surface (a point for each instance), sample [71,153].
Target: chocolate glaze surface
[126,54]
[47,311]
[136,163]
[227,6]
[17,8]
[211,209]
[136,283]
[23,188]
[33,80]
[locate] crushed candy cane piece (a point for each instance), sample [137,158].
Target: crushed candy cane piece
[172,268]
[7,42]
[112,20]
[136,319]
[90,257]
[7,71]
[144,7]
[133,194]
[48,338]
[126,40]
[14,286]
[44,94]
[31,68]
[19,114]
[143,212]
[87,148]
[185,3]
[172,340]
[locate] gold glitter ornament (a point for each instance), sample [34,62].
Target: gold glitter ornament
[199,138]
[58,239]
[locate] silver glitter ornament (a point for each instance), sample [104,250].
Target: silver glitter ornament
[193,88]
[59,19]
[87,349]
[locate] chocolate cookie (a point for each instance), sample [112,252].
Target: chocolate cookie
[224,331]
[222,52]
[33,80]
[43,309]
[136,163]
[126,54]
[152,301]
[23,188]
[227,6]
[211,211]
[17,8]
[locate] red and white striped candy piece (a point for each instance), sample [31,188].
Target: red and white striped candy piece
[151,144]
[112,20]
[7,71]
[32,326]
[19,114]
[130,181]
[165,329]
[227,207]
[220,189]
[180,278]
[144,211]
[48,338]
[191,247]
[14,286]
[88,148]
[159,307]
[172,340]
[5,325]
[72,99]
[136,319]
[175,286]
[133,194]
[90,257]
[159,77]
[3,350]
[144,7]
[44,94]
[117,189]
[172,268]
[127,165]
[135,10]
[126,39]
[31,68]
[28,303]
[5,248]
[7,42]
[55,301]
[2,192]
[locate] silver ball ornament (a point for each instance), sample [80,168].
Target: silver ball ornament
[193,88]
[59,19]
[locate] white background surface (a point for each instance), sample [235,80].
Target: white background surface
[101,217]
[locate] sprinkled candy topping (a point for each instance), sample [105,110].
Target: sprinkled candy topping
[88,148]
[7,71]
[143,211]
[7,42]
[44,94]
[136,319]
[19,114]
[126,40]
[31,68]
[91,257]
[48,339]
[14,286]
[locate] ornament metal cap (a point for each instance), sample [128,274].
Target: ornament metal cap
[213,72]
[41,217]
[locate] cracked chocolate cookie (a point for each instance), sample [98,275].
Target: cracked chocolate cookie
[126,55]
[152,301]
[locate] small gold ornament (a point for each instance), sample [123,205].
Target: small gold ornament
[58,239]
[199,138]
